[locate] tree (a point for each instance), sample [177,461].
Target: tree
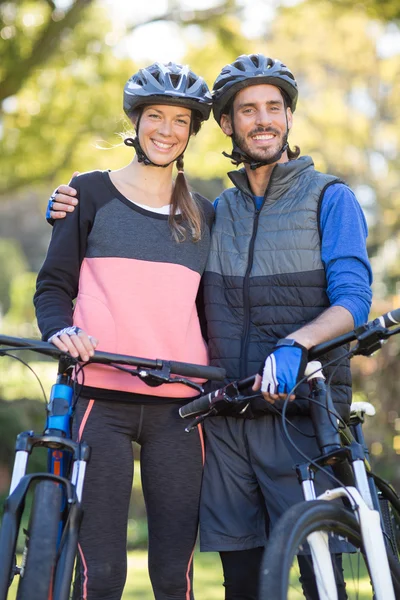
[66,96]
[32,34]
[13,263]
[60,84]
[383,10]
[21,310]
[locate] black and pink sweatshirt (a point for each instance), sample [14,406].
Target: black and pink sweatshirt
[135,287]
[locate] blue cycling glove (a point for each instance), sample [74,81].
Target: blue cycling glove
[50,207]
[284,367]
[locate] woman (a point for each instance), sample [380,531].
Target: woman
[132,255]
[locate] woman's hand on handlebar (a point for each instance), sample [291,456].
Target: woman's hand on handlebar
[76,342]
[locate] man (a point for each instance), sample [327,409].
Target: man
[288,269]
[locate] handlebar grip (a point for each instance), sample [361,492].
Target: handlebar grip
[390,318]
[200,405]
[199,371]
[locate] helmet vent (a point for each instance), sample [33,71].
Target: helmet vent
[167,84]
[192,81]
[254,60]
[239,65]
[174,79]
[157,76]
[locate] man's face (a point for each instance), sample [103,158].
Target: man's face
[260,121]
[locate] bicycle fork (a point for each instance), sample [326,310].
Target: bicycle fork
[61,452]
[360,497]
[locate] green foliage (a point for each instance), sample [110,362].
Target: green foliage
[69,99]
[22,288]
[18,381]
[13,263]
[31,31]
[21,415]
[62,85]
[384,10]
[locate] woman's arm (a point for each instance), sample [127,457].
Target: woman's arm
[58,279]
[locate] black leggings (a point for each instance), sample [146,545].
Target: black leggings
[171,471]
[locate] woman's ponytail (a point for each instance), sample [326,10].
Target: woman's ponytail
[183,201]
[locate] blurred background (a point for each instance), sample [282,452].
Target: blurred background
[63,64]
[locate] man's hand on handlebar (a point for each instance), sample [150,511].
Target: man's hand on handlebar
[281,371]
[76,342]
[62,201]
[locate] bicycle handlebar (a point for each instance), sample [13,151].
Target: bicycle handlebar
[389,319]
[209,401]
[198,406]
[107,358]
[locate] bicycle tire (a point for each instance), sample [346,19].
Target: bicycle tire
[41,543]
[290,533]
[389,503]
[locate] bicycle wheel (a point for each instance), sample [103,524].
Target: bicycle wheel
[41,544]
[389,503]
[281,577]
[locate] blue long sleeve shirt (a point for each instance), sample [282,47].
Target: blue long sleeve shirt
[343,251]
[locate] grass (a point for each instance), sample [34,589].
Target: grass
[207,579]
[358,585]
[207,582]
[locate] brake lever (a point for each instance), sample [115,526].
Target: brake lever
[198,420]
[189,383]
[156,377]
[369,340]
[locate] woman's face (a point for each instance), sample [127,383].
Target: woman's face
[164,132]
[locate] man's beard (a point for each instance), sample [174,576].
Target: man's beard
[270,154]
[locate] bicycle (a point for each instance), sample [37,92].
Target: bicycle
[364,519]
[51,540]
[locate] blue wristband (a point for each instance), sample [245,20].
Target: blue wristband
[50,207]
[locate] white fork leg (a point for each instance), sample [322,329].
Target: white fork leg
[373,541]
[323,566]
[19,470]
[78,477]
[320,554]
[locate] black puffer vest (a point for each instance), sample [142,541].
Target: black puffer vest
[265,278]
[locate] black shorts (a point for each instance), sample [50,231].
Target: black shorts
[249,479]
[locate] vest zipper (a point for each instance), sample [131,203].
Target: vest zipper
[246,295]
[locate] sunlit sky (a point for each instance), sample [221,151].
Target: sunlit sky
[163,40]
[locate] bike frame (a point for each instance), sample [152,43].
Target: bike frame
[67,459]
[66,466]
[362,497]
[361,488]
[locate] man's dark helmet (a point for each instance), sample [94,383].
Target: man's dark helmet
[252,69]
[167,84]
